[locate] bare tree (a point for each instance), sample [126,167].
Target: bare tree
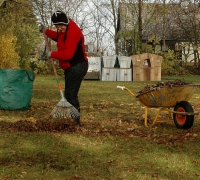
[188,22]
[103,25]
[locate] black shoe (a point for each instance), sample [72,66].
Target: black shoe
[78,124]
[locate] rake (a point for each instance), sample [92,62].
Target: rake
[63,109]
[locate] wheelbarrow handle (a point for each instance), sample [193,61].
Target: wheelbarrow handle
[124,88]
[121,87]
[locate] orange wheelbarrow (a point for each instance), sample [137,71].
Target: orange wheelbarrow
[165,98]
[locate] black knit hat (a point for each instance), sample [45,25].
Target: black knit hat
[59,18]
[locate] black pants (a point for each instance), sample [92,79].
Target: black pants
[73,78]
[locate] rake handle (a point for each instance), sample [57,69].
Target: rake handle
[49,49]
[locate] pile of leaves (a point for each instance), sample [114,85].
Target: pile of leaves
[111,129]
[39,125]
[148,87]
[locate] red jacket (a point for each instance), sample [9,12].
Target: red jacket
[70,51]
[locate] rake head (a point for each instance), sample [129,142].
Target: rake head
[65,110]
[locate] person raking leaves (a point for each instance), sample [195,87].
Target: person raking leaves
[70,53]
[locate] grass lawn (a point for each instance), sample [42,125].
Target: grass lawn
[112,144]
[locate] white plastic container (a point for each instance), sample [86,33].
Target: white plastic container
[124,61]
[109,61]
[124,74]
[109,74]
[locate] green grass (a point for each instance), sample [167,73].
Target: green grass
[112,144]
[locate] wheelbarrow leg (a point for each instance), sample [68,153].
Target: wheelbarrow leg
[146,116]
[157,114]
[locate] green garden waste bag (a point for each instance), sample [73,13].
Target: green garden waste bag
[16,87]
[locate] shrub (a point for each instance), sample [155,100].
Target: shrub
[8,56]
[170,66]
[39,66]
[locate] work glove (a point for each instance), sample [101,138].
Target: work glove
[49,53]
[42,27]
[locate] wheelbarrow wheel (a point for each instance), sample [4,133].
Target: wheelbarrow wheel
[183,121]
